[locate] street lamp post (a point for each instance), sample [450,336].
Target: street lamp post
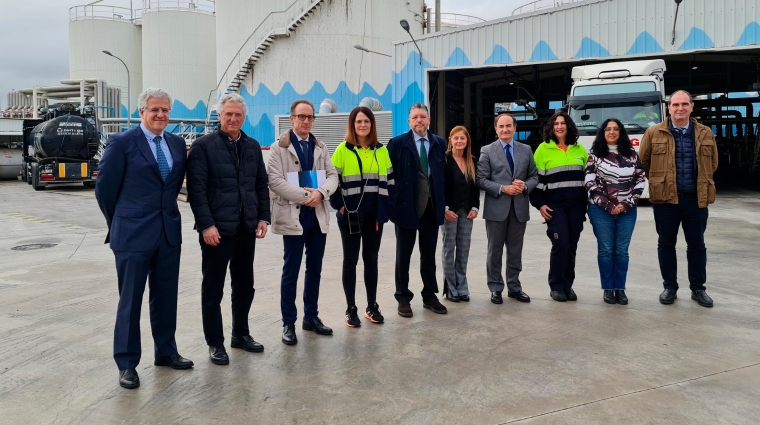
[129,89]
[364,49]
[405,26]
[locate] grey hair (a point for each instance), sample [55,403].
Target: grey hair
[691,99]
[142,101]
[231,97]
[418,105]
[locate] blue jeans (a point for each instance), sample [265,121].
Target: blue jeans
[613,235]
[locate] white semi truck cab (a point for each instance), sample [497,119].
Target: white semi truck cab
[633,92]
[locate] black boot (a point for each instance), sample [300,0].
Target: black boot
[621,298]
[609,296]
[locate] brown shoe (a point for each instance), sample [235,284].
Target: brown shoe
[405,310]
[435,305]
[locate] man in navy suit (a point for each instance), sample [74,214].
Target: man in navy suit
[141,173]
[418,166]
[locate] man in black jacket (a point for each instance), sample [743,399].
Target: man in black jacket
[228,191]
[418,162]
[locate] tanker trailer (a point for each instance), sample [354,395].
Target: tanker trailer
[60,148]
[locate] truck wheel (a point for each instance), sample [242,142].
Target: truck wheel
[91,185]
[24,171]
[27,172]
[36,178]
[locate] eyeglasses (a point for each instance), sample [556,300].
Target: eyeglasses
[300,117]
[157,110]
[612,130]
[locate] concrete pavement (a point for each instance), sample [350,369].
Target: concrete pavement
[581,362]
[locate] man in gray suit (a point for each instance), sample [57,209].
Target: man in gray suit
[507,172]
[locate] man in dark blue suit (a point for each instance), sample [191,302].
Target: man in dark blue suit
[141,173]
[418,166]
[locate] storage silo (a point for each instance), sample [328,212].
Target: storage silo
[305,49]
[94,28]
[179,56]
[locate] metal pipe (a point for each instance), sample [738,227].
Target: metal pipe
[437,15]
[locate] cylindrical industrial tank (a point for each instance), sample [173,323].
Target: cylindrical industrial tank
[178,46]
[245,15]
[67,136]
[95,28]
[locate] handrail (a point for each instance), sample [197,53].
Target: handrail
[115,13]
[274,20]
[454,20]
[205,6]
[536,5]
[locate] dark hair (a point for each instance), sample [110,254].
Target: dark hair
[298,102]
[572,130]
[501,114]
[600,148]
[351,136]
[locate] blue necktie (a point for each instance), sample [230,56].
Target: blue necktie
[509,158]
[305,150]
[163,165]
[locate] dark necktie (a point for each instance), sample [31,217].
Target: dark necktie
[510,160]
[163,164]
[423,155]
[305,150]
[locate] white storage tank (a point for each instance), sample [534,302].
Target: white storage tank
[305,49]
[178,52]
[244,16]
[94,28]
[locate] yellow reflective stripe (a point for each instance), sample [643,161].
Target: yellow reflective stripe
[61,171]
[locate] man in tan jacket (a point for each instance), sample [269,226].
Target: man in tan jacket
[301,216]
[679,158]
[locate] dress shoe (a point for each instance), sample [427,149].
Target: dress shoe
[246,343]
[434,305]
[570,294]
[558,296]
[496,297]
[454,298]
[701,297]
[519,296]
[609,296]
[289,334]
[175,362]
[128,379]
[465,298]
[218,355]
[405,310]
[621,298]
[317,326]
[668,296]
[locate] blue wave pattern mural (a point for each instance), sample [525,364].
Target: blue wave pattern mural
[264,104]
[408,84]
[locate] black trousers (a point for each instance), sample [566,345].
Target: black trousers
[369,243]
[236,250]
[564,231]
[667,219]
[428,238]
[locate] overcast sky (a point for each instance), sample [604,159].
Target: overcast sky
[34,37]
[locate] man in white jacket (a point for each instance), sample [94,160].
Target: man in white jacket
[301,216]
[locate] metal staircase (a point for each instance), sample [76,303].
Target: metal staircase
[276,25]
